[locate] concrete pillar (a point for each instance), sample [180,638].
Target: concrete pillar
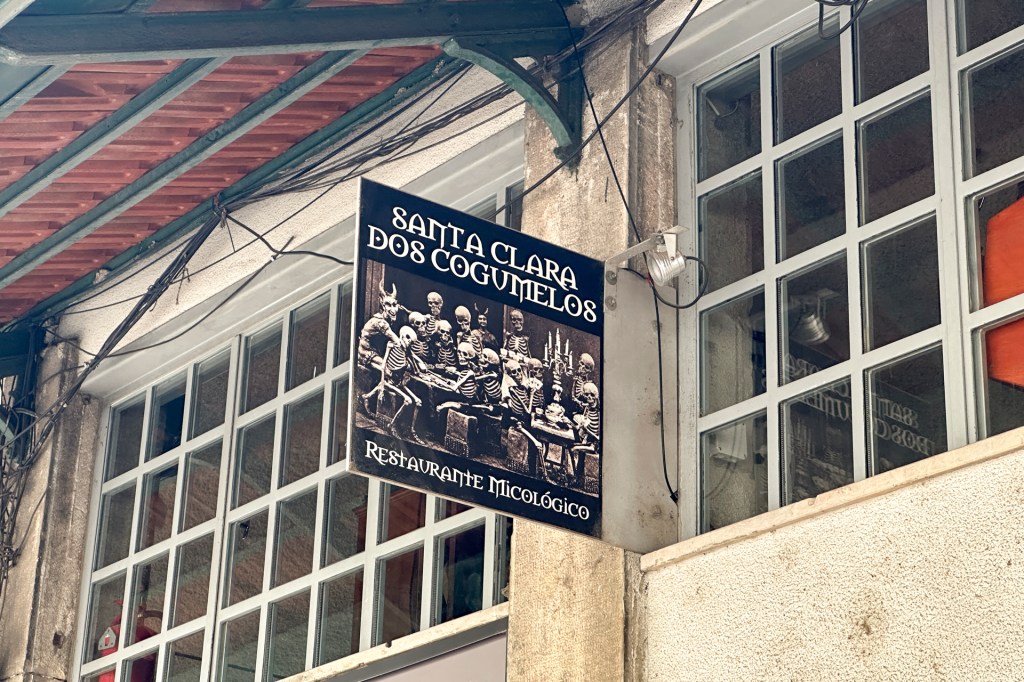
[573,600]
[40,602]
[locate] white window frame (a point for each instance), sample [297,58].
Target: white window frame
[464,182]
[699,57]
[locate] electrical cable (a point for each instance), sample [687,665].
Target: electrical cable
[608,24]
[856,9]
[173,272]
[673,494]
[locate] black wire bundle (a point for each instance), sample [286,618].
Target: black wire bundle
[856,8]
[323,173]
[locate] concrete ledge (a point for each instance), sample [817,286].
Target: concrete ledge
[855,493]
[412,649]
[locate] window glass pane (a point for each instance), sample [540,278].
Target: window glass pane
[115,526]
[815,324]
[158,506]
[484,209]
[142,668]
[345,534]
[732,352]
[202,477]
[148,590]
[728,120]
[460,578]
[502,557]
[262,365]
[731,230]
[514,206]
[303,422]
[339,434]
[167,417]
[125,438]
[101,639]
[983,20]
[238,650]
[399,596]
[812,198]
[908,410]
[807,82]
[994,130]
[344,331]
[255,458]
[817,442]
[734,472]
[999,227]
[1004,377]
[286,634]
[449,508]
[341,602]
[185,659]
[293,554]
[901,284]
[245,562]
[211,394]
[307,341]
[896,160]
[192,580]
[102,676]
[892,45]
[403,511]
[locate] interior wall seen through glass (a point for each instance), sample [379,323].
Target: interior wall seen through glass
[734,472]
[891,45]
[729,120]
[731,232]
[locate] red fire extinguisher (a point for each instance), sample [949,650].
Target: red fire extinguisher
[143,669]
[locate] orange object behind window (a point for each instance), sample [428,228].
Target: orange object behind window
[1003,277]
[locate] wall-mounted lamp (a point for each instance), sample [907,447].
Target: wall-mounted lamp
[664,261]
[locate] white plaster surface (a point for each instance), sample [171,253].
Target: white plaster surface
[920,583]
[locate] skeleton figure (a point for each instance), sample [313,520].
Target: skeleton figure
[465,334]
[588,431]
[487,339]
[398,363]
[444,346]
[420,346]
[588,422]
[517,344]
[584,372]
[524,395]
[467,382]
[491,378]
[523,398]
[379,325]
[434,305]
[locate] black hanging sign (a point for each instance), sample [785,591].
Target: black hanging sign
[476,362]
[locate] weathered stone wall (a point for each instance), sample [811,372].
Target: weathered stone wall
[574,601]
[40,606]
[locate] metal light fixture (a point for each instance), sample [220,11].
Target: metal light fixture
[664,261]
[810,328]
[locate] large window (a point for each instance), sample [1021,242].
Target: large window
[230,543]
[859,201]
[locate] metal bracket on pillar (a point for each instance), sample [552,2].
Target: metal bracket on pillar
[562,114]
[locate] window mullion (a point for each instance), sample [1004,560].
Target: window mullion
[771,292]
[954,280]
[369,606]
[852,240]
[212,640]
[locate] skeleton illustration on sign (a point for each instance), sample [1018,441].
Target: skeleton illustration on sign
[399,362]
[517,344]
